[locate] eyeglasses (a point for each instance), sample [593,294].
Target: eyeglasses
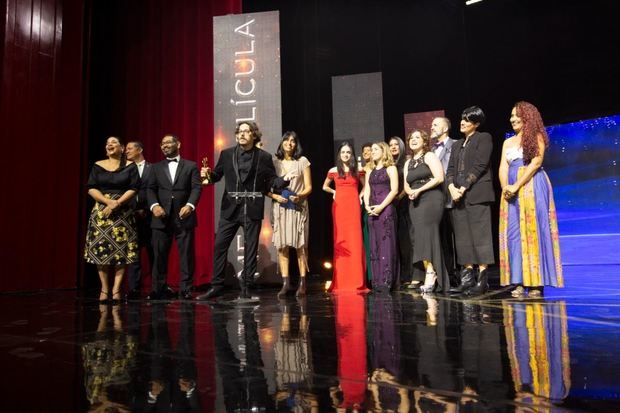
[244,131]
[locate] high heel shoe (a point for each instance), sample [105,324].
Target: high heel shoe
[301,290]
[116,297]
[286,285]
[482,285]
[106,296]
[430,283]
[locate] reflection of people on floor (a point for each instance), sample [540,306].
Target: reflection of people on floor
[482,362]
[294,368]
[537,343]
[158,392]
[183,386]
[243,380]
[384,316]
[434,356]
[108,361]
[351,342]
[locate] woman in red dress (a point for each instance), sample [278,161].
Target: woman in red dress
[349,265]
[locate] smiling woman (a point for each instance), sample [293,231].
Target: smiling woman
[290,209]
[111,240]
[346,212]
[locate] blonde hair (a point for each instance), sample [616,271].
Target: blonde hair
[387,158]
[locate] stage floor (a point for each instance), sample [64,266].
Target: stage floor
[395,352]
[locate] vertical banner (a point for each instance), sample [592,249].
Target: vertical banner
[246,77]
[357,109]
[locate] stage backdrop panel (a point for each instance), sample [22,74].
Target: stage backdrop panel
[357,105]
[582,163]
[422,120]
[246,76]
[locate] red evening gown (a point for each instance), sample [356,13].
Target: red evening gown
[349,259]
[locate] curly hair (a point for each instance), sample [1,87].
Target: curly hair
[253,128]
[533,127]
[426,140]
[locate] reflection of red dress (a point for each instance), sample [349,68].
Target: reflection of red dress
[349,265]
[350,311]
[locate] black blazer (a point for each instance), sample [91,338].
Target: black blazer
[265,181]
[478,174]
[172,196]
[141,198]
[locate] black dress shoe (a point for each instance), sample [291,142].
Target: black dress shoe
[211,293]
[133,295]
[168,293]
[185,295]
[154,295]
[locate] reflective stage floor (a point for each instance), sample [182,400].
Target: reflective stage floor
[60,352]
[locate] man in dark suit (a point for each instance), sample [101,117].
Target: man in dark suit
[442,147]
[244,167]
[135,153]
[173,191]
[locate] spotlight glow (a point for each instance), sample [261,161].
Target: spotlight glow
[327,265]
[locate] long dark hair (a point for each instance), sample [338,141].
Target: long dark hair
[298,149]
[352,162]
[123,160]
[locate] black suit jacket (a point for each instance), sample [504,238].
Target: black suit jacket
[266,179]
[478,174]
[141,198]
[172,196]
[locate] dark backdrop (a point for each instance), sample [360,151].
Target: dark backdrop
[147,65]
[152,74]
[441,54]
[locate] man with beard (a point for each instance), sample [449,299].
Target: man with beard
[173,193]
[442,147]
[248,173]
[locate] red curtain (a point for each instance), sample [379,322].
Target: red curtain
[41,130]
[163,83]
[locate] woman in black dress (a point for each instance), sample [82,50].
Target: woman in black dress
[470,183]
[111,241]
[423,175]
[399,153]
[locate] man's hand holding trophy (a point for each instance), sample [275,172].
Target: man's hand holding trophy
[205,172]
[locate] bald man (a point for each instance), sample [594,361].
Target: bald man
[442,147]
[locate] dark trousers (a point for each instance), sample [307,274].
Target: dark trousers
[225,234]
[134,270]
[447,242]
[162,241]
[473,236]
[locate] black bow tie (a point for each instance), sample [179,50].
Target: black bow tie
[172,160]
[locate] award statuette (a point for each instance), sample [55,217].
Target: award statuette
[207,179]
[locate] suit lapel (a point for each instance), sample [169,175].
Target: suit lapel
[146,171]
[164,164]
[179,170]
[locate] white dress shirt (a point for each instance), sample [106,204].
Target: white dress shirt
[140,166]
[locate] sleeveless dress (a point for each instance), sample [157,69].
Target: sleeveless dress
[349,263]
[426,215]
[290,225]
[383,236]
[529,241]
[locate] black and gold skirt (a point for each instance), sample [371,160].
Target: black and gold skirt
[112,240]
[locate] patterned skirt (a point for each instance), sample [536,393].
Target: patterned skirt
[529,242]
[112,240]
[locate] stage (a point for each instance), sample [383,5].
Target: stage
[322,353]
